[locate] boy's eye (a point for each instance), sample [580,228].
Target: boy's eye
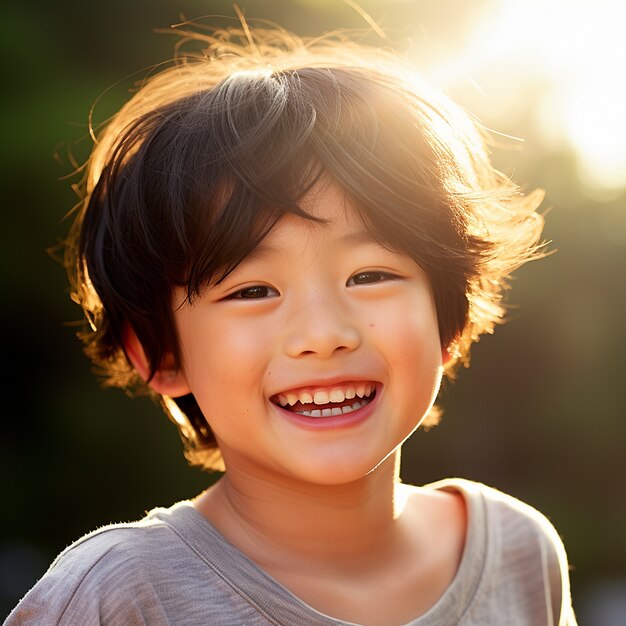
[366,278]
[254,292]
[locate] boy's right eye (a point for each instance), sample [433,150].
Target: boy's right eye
[254,292]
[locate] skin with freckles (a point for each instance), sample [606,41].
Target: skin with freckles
[321,317]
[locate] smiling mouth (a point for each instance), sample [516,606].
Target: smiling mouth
[337,400]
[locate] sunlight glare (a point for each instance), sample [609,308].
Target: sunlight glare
[574,51]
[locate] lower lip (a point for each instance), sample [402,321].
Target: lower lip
[332,422]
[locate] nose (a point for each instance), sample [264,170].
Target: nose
[322,327]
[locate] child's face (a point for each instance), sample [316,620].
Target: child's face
[317,312]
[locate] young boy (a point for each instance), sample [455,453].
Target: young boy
[290,242]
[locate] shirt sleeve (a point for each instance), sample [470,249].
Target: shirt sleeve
[96,581]
[531,562]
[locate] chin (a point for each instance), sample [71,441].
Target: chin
[336,470]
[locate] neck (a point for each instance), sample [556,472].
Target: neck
[269,518]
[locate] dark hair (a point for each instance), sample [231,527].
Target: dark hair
[207,156]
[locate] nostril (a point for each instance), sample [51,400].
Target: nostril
[313,352]
[321,340]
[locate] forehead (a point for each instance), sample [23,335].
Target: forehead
[327,202]
[334,218]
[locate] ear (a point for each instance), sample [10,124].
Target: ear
[168,380]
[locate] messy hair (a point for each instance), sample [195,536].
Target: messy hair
[210,153]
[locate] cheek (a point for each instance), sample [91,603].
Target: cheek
[411,334]
[224,365]
[217,345]
[409,338]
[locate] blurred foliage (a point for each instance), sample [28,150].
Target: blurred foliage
[539,414]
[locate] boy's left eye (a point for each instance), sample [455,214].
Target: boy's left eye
[372,276]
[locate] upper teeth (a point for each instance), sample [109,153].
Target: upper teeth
[325,396]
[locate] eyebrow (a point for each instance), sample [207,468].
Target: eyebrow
[260,251]
[359,237]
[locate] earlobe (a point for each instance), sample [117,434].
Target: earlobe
[168,380]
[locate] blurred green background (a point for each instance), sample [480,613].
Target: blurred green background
[540,412]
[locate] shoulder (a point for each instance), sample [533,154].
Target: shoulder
[505,514]
[516,529]
[107,571]
[523,561]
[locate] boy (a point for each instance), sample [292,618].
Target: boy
[290,242]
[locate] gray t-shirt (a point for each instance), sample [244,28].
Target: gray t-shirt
[174,567]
